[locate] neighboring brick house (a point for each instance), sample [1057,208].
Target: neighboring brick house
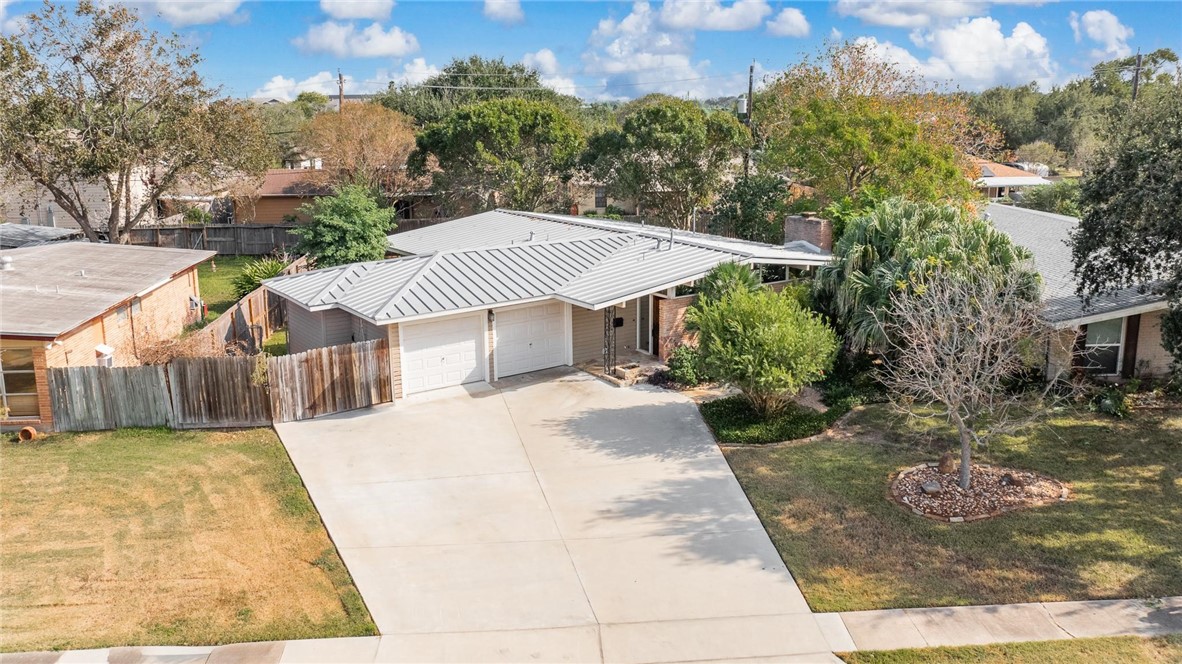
[75,304]
[1117,335]
[24,202]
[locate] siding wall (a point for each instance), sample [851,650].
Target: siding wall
[587,330]
[364,330]
[23,201]
[395,361]
[269,210]
[317,329]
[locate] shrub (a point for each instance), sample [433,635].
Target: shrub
[1112,401]
[196,215]
[685,366]
[346,228]
[255,272]
[763,343]
[735,421]
[1061,198]
[728,277]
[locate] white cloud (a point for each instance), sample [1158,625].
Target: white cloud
[504,11]
[196,12]
[919,13]
[790,22]
[286,89]
[835,34]
[376,10]
[9,25]
[344,40]
[550,73]
[976,54]
[1104,28]
[713,15]
[634,56]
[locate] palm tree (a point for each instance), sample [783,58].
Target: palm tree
[893,247]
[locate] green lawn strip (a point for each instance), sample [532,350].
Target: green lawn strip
[1124,649]
[735,422]
[824,505]
[153,537]
[276,344]
[217,288]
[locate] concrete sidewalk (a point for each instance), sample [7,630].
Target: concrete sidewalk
[1007,623]
[862,630]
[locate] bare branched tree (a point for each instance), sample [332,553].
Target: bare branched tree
[960,343]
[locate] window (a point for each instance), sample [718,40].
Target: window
[601,197]
[1102,346]
[121,314]
[135,306]
[18,382]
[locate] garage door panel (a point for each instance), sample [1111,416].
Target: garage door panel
[442,353]
[530,338]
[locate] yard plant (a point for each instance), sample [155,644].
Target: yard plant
[764,343]
[348,227]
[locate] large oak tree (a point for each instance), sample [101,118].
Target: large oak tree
[89,95]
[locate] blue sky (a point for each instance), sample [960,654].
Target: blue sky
[601,50]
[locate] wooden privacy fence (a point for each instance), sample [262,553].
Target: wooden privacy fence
[329,380]
[236,239]
[244,326]
[221,392]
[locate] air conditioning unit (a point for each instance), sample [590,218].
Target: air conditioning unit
[104,355]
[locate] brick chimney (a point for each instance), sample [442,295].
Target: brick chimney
[811,229]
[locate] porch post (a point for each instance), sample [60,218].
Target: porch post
[609,340]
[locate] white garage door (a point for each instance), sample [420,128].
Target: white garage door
[530,338]
[441,353]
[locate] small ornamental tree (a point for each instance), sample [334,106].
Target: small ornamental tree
[764,343]
[346,228]
[727,278]
[958,342]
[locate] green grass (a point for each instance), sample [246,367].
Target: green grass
[735,422]
[1125,649]
[148,536]
[276,344]
[824,504]
[217,288]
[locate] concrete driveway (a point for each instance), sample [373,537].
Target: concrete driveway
[554,518]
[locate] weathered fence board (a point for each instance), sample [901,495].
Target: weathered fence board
[235,239]
[213,392]
[79,399]
[93,398]
[329,380]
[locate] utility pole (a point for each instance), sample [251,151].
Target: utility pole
[750,118]
[340,92]
[1137,76]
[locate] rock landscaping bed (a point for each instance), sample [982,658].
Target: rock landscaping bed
[934,492]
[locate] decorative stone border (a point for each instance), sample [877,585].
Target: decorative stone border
[893,496]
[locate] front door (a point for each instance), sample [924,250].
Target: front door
[655,326]
[644,325]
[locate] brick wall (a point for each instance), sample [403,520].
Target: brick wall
[672,332]
[1152,358]
[44,422]
[814,230]
[163,314]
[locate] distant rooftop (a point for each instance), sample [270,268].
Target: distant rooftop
[53,288]
[20,235]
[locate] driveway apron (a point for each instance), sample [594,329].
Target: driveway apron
[552,518]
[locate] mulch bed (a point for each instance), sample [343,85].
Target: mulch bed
[993,491]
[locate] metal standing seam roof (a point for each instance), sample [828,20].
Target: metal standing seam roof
[1047,236]
[592,273]
[503,227]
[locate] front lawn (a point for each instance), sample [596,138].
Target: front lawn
[824,504]
[217,288]
[1124,649]
[148,536]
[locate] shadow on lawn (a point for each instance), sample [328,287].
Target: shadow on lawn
[1120,536]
